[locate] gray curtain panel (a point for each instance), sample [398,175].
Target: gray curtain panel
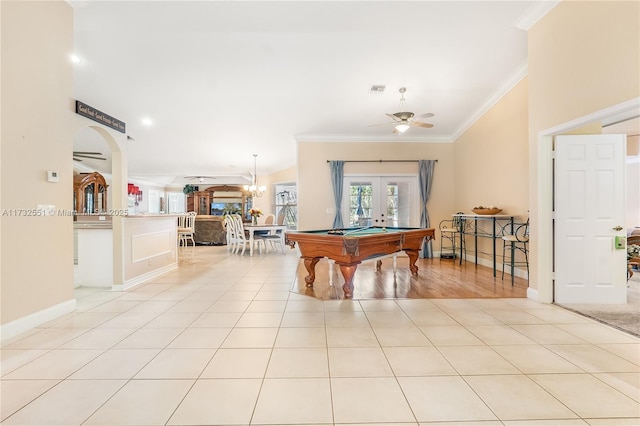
[425,179]
[337,178]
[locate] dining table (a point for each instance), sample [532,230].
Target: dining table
[272,229]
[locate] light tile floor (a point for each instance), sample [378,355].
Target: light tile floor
[222,341]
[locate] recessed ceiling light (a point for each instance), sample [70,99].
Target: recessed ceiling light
[147,121]
[377,88]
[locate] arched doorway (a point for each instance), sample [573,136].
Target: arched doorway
[98,150]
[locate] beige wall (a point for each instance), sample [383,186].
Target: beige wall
[315,194]
[37,39]
[491,158]
[149,248]
[284,176]
[491,161]
[266,203]
[584,56]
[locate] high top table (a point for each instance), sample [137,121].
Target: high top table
[501,224]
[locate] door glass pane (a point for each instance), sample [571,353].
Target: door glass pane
[392,204]
[203,205]
[398,204]
[379,201]
[88,199]
[287,205]
[360,204]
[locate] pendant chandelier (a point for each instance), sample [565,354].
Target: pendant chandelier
[254,190]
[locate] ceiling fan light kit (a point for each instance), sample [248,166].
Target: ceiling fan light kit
[403,120]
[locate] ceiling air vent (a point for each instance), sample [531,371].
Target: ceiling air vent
[379,88]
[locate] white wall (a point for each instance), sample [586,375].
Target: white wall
[633,193]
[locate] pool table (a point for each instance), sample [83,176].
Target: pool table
[349,247]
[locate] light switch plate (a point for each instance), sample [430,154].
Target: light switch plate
[52,176]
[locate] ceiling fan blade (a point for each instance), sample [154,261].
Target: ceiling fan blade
[419,124]
[76,159]
[93,157]
[426,115]
[381,124]
[87,153]
[200,178]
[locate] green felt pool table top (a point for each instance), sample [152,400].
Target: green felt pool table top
[356,232]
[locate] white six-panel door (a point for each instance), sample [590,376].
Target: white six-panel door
[589,191]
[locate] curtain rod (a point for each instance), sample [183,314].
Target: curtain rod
[381,161]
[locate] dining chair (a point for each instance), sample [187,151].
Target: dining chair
[229,226]
[242,239]
[275,239]
[186,228]
[235,234]
[270,219]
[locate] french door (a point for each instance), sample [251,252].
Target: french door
[380,201]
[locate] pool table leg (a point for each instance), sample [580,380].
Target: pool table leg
[310,265]
[413,257]
[348,271]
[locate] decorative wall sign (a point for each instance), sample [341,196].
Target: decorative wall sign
[99,116]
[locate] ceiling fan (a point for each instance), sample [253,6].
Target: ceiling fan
[200,178]
[78,155]
[403,120]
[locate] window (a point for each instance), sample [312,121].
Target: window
[286,210]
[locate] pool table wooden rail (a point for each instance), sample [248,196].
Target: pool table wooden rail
[348,251]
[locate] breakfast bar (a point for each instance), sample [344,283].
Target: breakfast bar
[501,224]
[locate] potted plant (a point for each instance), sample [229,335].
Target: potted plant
[188,189]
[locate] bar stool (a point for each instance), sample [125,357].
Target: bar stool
[516,242]
[449,234]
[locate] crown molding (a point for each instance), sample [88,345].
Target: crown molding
[493,98]
[499,93]
[371,138]
[532,15]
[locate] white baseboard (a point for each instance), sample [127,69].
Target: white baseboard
[143,278]
[532,293]
[518,272]
[26,323]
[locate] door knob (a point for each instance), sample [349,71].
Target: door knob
[618,228]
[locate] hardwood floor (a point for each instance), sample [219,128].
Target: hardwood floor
[437,279]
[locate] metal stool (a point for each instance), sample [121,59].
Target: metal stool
[449,234]
[516,242]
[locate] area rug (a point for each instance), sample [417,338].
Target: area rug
[623,317]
